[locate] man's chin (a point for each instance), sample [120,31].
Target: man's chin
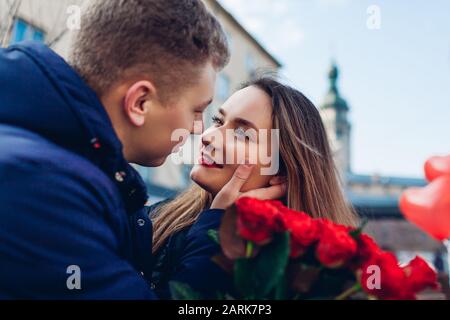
[152,163]
[158,162]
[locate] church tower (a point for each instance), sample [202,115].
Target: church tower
[334,111]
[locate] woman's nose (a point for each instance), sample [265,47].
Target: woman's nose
[212,138]
[206,139]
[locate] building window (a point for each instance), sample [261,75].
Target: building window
[229,40]
[250,65]
[25,31]
[223,87]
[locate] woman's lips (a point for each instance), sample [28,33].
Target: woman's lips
[208,162]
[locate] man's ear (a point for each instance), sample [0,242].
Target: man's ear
[138,100]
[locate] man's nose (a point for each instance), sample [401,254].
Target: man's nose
[198,128]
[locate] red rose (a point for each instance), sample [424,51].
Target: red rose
[336,247]
[420,275]
[383,278]
[304,230]
[367,248]
[256,219]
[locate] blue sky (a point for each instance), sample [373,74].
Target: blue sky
[396,79]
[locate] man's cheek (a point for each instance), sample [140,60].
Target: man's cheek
[185,122]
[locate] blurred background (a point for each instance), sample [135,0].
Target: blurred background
[379,72]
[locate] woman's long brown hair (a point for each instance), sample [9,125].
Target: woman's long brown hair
[306,160]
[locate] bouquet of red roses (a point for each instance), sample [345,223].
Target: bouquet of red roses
[273,252]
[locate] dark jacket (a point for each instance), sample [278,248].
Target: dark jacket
[168,260]
[67,195]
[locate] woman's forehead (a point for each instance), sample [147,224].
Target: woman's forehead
[250,103]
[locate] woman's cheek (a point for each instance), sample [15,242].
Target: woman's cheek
[256,180]
[235,154]
[211,180]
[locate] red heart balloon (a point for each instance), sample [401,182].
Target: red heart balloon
[429,207]
[437,167]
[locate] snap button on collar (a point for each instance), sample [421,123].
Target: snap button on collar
[120,176]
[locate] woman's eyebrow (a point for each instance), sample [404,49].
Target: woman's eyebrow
[240,121]
[245,123]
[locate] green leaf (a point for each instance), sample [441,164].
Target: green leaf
[356,233]
[257,277]
[214,236]
[281,290]
[181,291]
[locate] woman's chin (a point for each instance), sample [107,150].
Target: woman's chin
[203,178]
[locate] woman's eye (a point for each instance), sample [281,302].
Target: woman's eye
[241,134]
[217,121]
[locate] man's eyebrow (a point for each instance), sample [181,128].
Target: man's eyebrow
[205,104]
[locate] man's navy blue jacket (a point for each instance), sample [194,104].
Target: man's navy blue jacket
[67,195]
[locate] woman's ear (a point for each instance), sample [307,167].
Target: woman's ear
[138,101]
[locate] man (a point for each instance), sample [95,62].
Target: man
[71,218]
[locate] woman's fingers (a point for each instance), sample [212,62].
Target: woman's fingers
[231,191]
[271,193]
[239,178]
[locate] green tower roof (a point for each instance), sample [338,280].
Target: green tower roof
[333,98]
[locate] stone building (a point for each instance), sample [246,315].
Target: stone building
[43,20]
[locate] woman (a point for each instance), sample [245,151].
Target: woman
[306,163]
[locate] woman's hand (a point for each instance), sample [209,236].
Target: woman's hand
[232,190]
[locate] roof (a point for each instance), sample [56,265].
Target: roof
[379,206]
[386,180]
[226,13]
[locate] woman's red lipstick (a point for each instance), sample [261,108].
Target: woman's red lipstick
[208,162]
